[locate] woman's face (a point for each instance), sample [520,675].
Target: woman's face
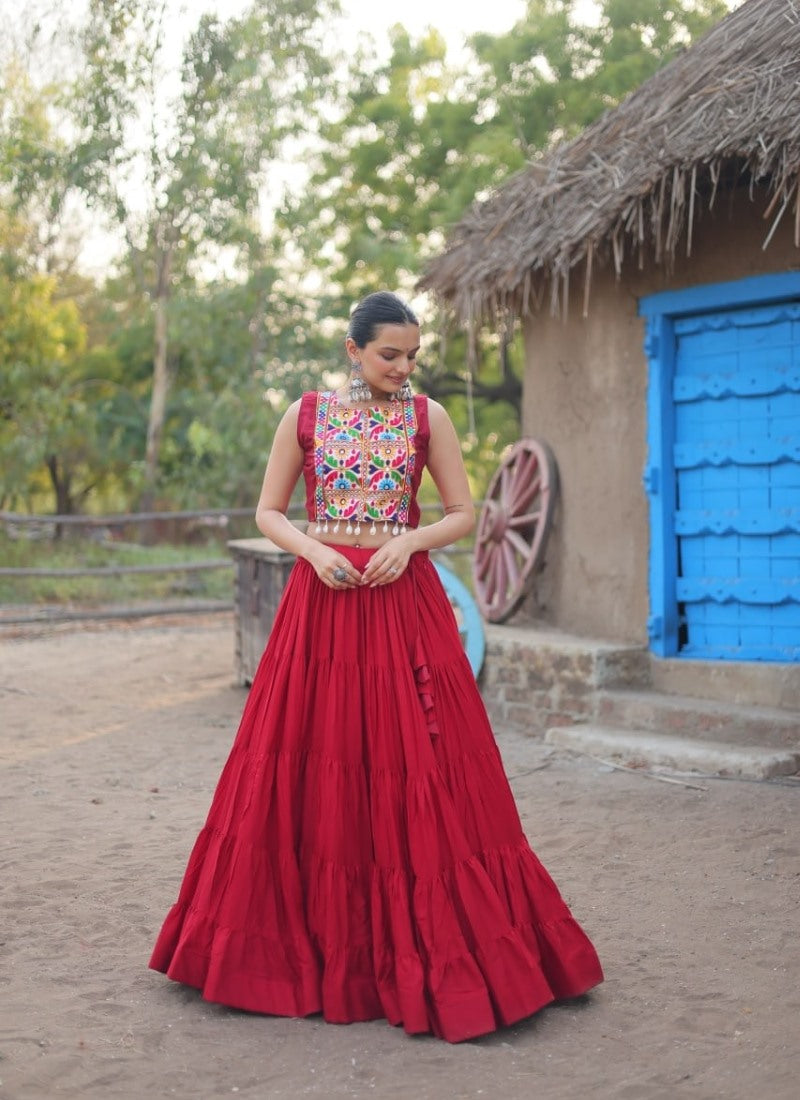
[388,360]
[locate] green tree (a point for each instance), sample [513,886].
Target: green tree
[57,384]
[553,75]
[53,395]
[241,369]
[181,171]
[33,175]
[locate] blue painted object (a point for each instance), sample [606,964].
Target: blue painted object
[470,624]
[723,469]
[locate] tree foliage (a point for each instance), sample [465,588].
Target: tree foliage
[58,431]
[198,157]
[162,380]
[55,420]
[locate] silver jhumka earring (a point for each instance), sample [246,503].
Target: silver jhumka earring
[359,390]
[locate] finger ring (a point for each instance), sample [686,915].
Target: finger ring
[393,569]
[339,574]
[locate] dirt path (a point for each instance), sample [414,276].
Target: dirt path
[111,741]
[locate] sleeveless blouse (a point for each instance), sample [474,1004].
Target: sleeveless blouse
[363,466]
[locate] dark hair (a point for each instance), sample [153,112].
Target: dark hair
[380,308]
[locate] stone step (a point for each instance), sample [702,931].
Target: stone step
[534,678]
[690,716]
[543,656]
[753,683]
[646,749]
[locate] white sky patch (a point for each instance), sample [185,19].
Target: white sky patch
[455,19]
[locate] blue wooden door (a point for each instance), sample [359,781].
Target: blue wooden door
[736,453]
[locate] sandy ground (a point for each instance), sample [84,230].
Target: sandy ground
[112,740]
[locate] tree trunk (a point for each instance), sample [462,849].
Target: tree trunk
[158,397]
[62,484]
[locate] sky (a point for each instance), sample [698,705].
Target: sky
[456,19]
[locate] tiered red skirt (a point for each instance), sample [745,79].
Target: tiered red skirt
[363,856]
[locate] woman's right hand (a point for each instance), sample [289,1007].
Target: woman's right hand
[325,561]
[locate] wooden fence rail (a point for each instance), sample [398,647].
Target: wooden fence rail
[120,519]
[56,614]
[117,570]
[12,615]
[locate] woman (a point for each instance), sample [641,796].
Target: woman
[363,856]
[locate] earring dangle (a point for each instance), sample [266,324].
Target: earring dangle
[359,390]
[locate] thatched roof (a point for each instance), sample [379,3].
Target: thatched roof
[726,110]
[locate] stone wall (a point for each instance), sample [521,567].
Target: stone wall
[533,680]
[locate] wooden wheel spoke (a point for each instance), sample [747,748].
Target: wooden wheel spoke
[498,585]
[526,494]
[524,478]
[500,577]
[483,535]
[486,561]
[513,538]
[524,520]
[512,569]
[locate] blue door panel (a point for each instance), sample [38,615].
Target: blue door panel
[728,383]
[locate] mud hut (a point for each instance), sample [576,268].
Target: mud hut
[653,263]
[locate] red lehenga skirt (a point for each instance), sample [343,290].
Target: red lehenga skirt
[363,856]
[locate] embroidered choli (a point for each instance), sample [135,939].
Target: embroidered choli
[362,467]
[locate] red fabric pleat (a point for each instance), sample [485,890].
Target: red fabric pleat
[363,856]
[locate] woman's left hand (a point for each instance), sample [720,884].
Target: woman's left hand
[388,563]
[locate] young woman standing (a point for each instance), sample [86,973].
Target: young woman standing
[363,856]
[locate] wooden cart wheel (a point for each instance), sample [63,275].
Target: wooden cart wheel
[513,527]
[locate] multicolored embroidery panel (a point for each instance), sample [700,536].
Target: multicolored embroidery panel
[364,461]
